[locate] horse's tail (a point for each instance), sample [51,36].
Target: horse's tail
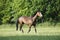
[17,24]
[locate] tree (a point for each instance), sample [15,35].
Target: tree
[12,9]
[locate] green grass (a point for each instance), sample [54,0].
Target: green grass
[44,32]
[30,38]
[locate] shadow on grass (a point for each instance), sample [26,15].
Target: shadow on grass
[30,38]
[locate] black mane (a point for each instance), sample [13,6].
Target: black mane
[35,13]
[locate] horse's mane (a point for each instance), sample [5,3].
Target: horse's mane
[35,13]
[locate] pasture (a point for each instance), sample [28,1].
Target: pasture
[44,32]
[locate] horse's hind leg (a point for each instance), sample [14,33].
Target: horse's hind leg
[21,28]
[29,29]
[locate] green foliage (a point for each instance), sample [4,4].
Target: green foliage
[16,8]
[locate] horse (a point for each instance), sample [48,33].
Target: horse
[30,21]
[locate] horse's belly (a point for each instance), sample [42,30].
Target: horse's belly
[28,22]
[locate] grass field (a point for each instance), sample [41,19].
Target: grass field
[44,32]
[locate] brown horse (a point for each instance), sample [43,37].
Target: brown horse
[30,21]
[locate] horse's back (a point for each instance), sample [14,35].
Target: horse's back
[25,19]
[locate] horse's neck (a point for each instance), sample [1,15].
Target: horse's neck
[34,18]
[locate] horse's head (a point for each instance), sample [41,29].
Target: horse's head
[39,14]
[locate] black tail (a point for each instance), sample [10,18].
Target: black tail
[17,24]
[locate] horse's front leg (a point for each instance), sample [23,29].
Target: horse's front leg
[35,28]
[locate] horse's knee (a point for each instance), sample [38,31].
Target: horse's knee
[30,27]
[34,25]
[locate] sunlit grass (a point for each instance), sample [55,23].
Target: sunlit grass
[45,31]
[10,30]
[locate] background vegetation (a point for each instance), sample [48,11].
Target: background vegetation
[10,10]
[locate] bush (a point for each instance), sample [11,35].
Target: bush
[16,8]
